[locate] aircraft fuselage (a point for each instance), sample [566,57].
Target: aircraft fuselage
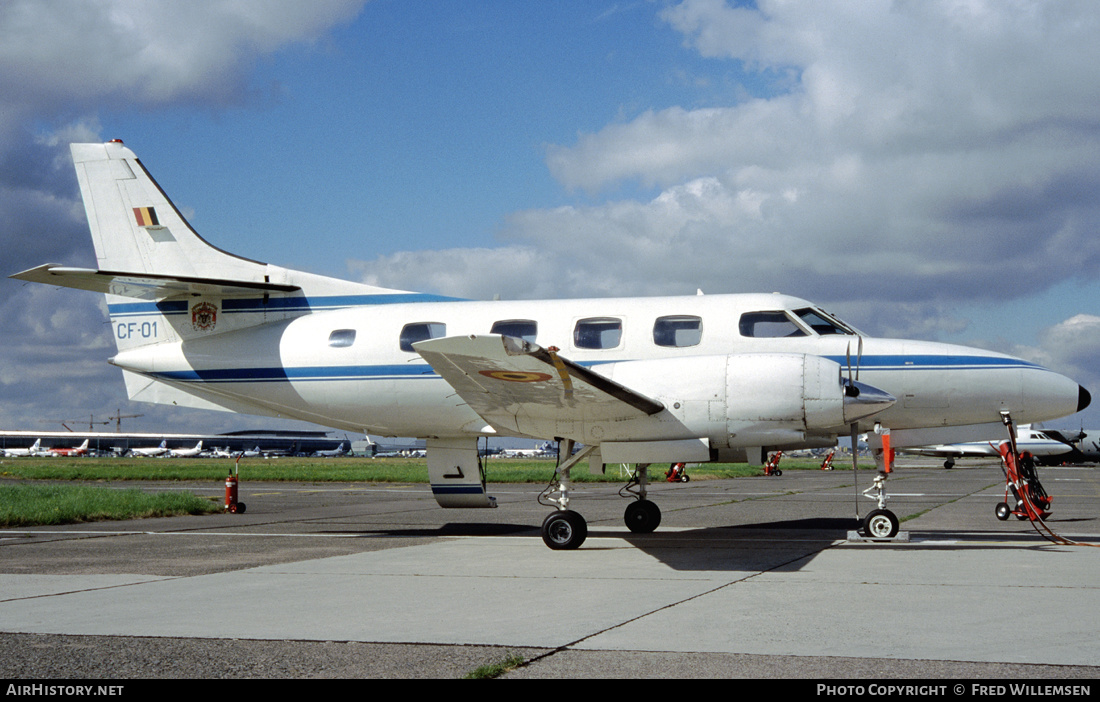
[346,367]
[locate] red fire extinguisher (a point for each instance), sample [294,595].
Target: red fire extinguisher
[231,504]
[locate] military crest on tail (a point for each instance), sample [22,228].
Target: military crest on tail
[204,316]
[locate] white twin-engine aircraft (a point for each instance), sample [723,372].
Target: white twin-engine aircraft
[632,380]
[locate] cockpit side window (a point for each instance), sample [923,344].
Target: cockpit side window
[768,325]
[821,323]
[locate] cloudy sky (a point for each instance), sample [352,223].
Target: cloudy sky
[926,168]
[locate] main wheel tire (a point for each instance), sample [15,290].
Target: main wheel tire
[564,530]
[1002,511]
[881,524]
[642,516]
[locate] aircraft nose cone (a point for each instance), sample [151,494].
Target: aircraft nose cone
[862,400]
[1084,399]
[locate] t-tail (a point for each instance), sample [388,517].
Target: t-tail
[164,283]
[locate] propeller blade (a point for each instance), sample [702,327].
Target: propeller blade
[850,389]
[859,356]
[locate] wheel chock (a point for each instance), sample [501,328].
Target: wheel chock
[902,536]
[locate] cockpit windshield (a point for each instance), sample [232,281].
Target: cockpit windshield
[768,325]
[822,323]
[774,324]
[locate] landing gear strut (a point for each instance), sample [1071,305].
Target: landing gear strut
[880,523]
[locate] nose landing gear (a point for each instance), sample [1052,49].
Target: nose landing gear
[880,523]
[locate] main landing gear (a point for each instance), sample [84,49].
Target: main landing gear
[564,529]
[641,516]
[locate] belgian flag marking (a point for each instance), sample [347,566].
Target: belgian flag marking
[146,217]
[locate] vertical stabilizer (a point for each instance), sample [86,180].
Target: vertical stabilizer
[136,228]
[167,285]
[163,281]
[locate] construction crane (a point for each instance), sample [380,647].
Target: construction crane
[66,422]
[118,416]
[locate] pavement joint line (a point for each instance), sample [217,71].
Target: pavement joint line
[669,605]
[153,579]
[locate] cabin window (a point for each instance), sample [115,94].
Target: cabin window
[341,338]
[525,329]
[678,332]
[598,333]
[768,325]
[421,331]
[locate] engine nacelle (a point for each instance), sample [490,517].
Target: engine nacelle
[750,399]
[776,399]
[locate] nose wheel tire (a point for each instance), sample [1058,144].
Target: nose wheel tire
[564,530]
[1002,511]
[881,524]
[642,516]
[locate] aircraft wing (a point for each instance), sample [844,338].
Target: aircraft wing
[145,286]
[977,449]
[514,385]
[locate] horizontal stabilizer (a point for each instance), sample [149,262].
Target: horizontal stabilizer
[513,384]
[146,286]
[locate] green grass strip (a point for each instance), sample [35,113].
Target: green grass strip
[36,505]
[495,670]
[351,470]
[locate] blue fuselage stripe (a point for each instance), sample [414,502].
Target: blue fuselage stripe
[405,371]
[890,362]
[280,304]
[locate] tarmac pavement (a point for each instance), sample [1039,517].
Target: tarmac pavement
[749,578]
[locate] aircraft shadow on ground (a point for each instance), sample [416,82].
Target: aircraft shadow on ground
[449,529]
[780,546]
[748,548]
